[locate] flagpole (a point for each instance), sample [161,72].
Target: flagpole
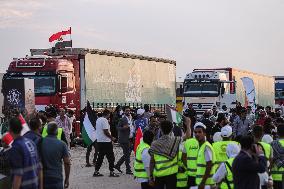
[71,39]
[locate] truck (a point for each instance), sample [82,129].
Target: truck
[69,77]
[279,91]
[205,88]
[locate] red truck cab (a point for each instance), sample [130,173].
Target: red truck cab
[56,80]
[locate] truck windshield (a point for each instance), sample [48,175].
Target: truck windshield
[198,88]
[44,85]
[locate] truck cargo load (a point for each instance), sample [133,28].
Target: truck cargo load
[69,77]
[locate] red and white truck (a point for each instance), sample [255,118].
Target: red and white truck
[205,88]
[68,77]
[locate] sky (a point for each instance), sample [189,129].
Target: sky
[243,34]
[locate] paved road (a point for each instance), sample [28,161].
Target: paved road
[81,176]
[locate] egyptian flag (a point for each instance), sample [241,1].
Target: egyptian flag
[24,125]
[58,35]
[138,138]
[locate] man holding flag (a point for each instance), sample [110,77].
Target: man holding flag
[89,133]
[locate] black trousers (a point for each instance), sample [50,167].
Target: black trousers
[166,182]
[191,181]
[105,149]
[145,185]
[126,156]
[277,185]
[89,150]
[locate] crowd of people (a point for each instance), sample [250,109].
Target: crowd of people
[237,148]
[241,148]
[34,158]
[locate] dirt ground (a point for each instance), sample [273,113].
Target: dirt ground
[81,177]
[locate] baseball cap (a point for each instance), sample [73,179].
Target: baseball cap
[267,139]
[140,111]
[199,124]
[226,131]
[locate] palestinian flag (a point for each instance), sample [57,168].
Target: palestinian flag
[173,115]
[88,131]
[24,125]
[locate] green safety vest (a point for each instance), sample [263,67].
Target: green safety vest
[164,166]
[277,172]
[220,149]
[181,176]
[229,175]
[201,165]
[267,149]
[139,169]
[59,132]
[191,146]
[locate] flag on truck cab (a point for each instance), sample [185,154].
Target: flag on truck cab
[88,131]
[173,115]
[24,125]
[58,35]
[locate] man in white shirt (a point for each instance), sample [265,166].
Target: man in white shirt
[104,142]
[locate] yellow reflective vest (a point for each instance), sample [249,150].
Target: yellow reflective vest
[229,176]
[266,148]
[181,176]
[220,149]
[201,165]
[191,146]
[139,169]
[277,172]
[164,166]
[59,132]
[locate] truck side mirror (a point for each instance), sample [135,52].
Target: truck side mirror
[59,84]
[62,87]
[180,89]
[222,90]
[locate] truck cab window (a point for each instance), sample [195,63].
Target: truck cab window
[67,82]
[64,83]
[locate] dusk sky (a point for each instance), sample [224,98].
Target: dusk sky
[244,34]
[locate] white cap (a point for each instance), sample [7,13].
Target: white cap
[217,137]
[226,131]
[199,124]
[233,150]
[267,139]
[140,111]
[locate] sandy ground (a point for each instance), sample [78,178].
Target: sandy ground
[82,177]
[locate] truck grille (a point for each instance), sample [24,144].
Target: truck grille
[200,108]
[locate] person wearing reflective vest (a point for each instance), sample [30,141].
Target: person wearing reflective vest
[189,157]
[181,175]
[265,178]
[224,175]
[142,160]
[278,160]
[164,156]
[221,146]
[59,132]
[205,158]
